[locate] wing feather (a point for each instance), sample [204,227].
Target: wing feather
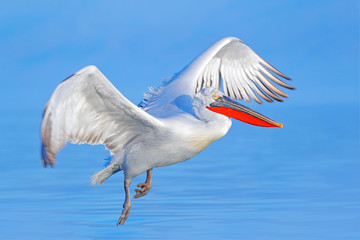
[87,108]
[248,88]
[274,78]
[253,86]
[216,73]
[223,75]
[269,66]
[236,59]
[259,81]
[238,86]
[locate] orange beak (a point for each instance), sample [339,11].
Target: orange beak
[233,109]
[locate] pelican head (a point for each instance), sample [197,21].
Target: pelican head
[216,101]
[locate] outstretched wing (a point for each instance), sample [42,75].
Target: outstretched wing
[243,74]
[228,63]
[87,108]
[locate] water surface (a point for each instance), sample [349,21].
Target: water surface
[300,182]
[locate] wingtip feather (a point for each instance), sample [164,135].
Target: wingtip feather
[47,158]
[272,68]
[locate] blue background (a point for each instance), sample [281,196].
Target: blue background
[299,182]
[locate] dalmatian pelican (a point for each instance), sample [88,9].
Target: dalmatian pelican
[173,122]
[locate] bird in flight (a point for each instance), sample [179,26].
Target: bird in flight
[173,122]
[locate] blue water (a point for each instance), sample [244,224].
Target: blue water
[299,182]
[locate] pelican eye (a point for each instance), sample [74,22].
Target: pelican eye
[215,96]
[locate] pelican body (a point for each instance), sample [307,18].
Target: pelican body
[173,122]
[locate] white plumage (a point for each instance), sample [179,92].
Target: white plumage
[173,123]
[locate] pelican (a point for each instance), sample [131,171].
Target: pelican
[173,122]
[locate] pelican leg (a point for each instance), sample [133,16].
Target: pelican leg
[127,204]
[145,187]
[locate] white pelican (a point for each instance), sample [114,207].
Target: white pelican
[173,123]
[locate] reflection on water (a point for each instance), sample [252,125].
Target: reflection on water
[300,182]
